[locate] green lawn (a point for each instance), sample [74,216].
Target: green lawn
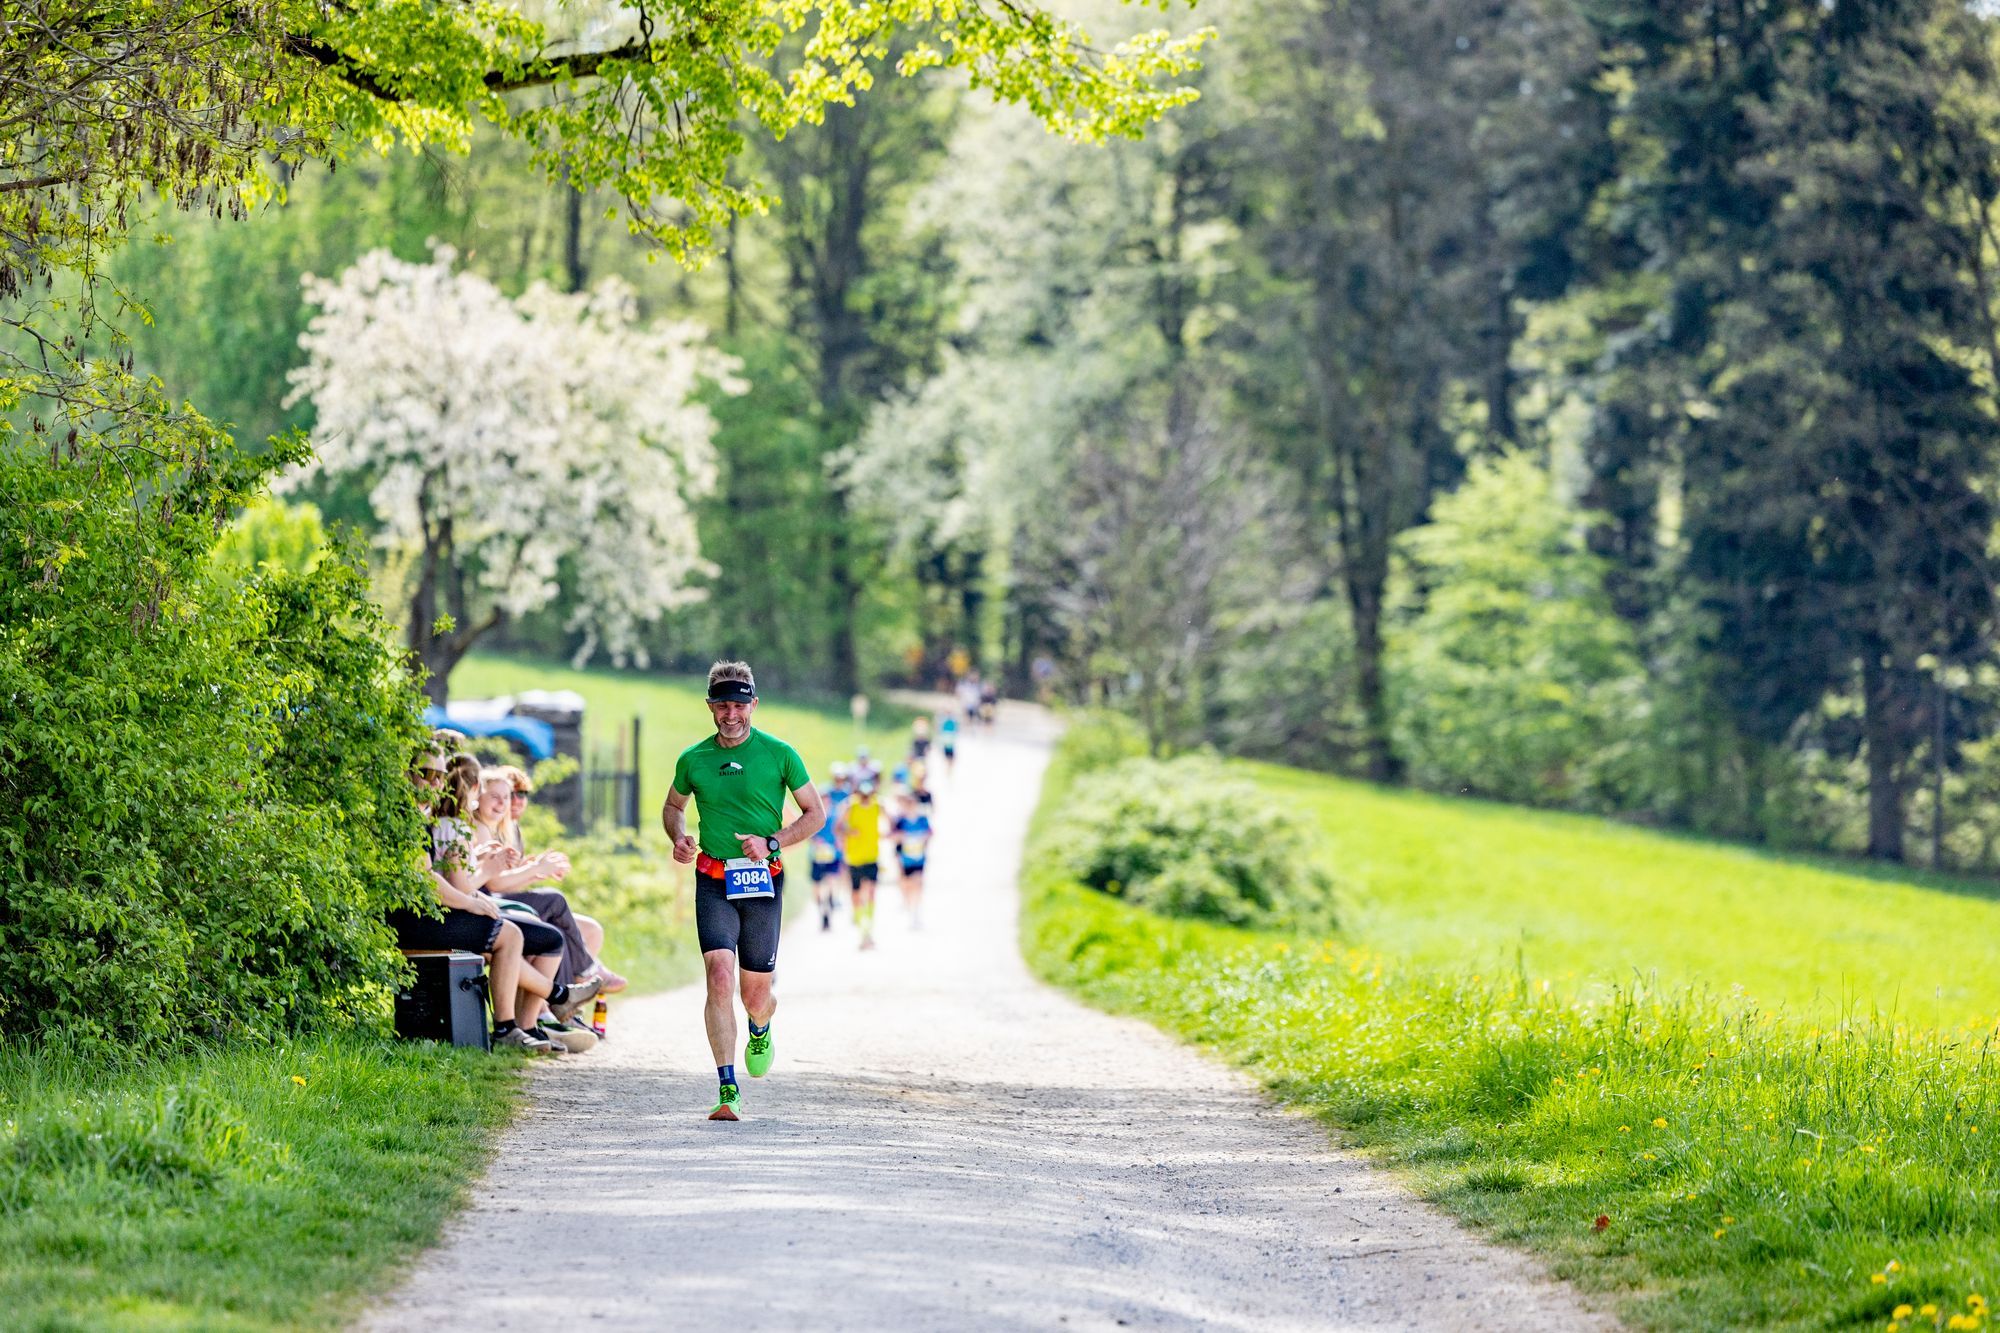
[1439,881]
[235,1187]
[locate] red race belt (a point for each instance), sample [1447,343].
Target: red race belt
[709,866]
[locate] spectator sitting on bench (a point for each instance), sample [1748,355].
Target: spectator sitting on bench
[453,853]
[471,922]
[575,968]
[509,818]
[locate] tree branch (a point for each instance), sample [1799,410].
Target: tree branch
[540,72]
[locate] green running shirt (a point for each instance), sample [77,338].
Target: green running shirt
[738,789]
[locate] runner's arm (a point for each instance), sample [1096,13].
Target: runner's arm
[673,818]
[812,816]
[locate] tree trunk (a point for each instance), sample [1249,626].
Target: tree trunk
[1364,597]
[1886,738]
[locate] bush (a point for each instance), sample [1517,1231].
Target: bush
[1185,837]
[203,809]
[1099,739]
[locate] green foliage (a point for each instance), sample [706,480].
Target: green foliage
[240,1186]
[203,813]
[271,532]
[1095,740]
[1186,837]
[1513,676]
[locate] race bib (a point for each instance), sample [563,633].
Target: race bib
[824,853]
[745,877]
[913,846]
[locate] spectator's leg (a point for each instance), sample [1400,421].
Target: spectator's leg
[593,932]
[505,965]
[552,906]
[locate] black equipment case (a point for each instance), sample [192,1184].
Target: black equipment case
[447,1001]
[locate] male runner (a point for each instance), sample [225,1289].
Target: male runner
[948,742]
[912,831]
[828,868]
[860,833]
[738,779]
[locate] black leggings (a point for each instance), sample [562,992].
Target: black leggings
[471,932]
[748,927]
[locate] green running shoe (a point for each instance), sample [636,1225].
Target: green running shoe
[726,1103]
[757,1054]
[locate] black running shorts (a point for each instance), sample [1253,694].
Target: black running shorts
[747,927]
[867,872]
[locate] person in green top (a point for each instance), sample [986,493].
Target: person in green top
[738,779]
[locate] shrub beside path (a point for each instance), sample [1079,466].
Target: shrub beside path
[945,1142]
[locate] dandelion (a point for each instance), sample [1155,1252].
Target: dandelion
[1720,1232]
[1624,1129]
[1729,1221]
[1659,1122]
[1879,1279]
[1649,1157]
[1868,1147]
[1903,1311]
[1895,1266]
[299,1079]
[1927,1310]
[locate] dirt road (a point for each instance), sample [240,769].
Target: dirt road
[943,1144]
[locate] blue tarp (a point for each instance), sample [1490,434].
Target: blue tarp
[532,734]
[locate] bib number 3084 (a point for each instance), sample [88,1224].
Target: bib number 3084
[743,877]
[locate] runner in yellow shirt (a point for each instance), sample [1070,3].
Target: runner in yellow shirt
[860,834]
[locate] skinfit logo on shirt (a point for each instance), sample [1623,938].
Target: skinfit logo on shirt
[731,766]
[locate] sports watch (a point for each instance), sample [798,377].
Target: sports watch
[773,844]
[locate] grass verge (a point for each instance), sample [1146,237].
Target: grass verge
[231,1188]
[1713,1165]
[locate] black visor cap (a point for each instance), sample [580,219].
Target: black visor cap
[731,692]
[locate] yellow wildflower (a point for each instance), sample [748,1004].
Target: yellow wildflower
[1877,1278]
[1868,1147]
[1624,1129]
[1927,1310]
[1903,1311]
[298,1079]
[1659,1122]
[1729,1221]
[1720,1232]
[1649,1157]
[1895,1265]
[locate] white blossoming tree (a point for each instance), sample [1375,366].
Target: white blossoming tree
[515,449]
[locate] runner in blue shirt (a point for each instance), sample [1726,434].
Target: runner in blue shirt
[828,870]
[912,833]
[948,741]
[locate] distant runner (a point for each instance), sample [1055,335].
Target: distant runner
[860,833]
[948,742]
[738,779]
[913,836]
[828,868]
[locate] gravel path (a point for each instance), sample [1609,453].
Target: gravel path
[944,1143]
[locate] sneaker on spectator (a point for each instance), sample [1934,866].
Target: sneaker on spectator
[613,983]
[519,1038]
[580,993]
[576,1040]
